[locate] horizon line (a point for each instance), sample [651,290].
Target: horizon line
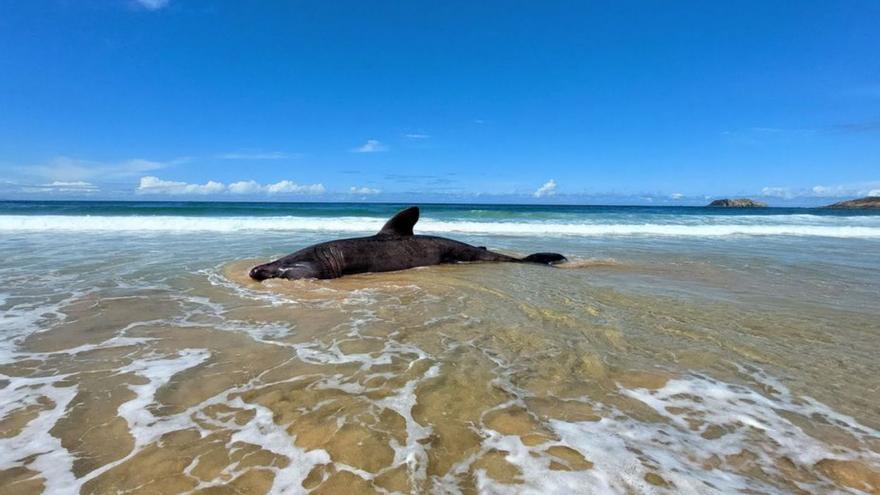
[432,203]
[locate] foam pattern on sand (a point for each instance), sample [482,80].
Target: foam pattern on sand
[708,437]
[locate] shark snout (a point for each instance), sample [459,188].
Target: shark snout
[262,272]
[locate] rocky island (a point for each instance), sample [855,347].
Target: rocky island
[867,202]
[737,203]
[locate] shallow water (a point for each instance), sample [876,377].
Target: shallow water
[144,360]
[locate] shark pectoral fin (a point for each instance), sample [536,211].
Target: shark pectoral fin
[402,223]
[300,270]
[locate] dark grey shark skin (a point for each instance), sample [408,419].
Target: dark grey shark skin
[395,247]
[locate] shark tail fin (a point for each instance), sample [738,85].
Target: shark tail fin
[545,258]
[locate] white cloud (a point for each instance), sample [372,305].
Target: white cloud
[548,189]
[676,195]
[62,187]
[66,169]
[245,187]
[416,135]
[287,186]
[72,186]
[263,155]
[363,190]
[371,146]
[155,185]
[820,191]
[776,192]
[153,4]
[874,192]
[843,191]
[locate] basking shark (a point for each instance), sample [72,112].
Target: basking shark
[395,247]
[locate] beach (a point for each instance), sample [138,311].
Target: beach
[680,350]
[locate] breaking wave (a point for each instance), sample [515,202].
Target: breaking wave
[690,226]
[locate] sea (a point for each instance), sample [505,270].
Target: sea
[680,350]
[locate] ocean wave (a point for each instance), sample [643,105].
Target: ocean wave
[795,225]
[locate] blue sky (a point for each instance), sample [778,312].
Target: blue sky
[573,102]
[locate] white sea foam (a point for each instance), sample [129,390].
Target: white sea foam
[624,450]
[699,226]
[50,458]
[684,448]
[260,430]
[263,431]
[34,316]
[142,425]
[412,453]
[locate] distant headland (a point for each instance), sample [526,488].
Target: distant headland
[867,202]
[737,203]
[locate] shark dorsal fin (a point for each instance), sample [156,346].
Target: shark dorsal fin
[401,223]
